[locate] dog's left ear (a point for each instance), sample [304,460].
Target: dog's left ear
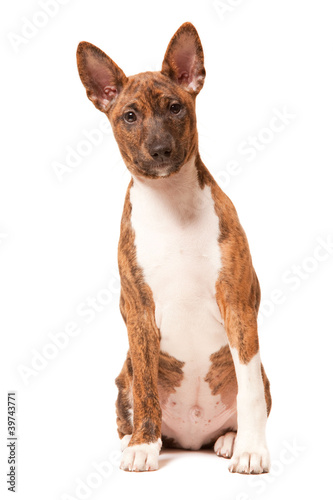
[102,78]
[184,59]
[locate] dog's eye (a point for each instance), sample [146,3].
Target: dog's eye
[130,117]
[175,108]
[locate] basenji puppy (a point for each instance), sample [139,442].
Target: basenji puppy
[189,293]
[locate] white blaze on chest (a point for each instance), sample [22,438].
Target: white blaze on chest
[176,237]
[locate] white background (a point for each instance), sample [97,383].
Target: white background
[58,236]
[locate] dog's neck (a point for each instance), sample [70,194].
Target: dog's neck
[177,186]
[179,195]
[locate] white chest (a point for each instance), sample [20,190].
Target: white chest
[176,236]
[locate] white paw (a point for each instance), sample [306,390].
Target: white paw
[255,461]
[225,444]
[141,457]
[124,441]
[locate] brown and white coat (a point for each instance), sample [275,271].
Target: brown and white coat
[189,293]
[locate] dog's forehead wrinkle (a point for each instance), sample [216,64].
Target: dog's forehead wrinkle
[148,100]
[151,85]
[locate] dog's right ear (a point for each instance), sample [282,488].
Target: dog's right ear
[102,78]
[184,59]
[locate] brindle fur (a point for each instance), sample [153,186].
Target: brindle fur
[148,374]
[222,378]
[170,375]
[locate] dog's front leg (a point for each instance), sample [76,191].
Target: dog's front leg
[142,452]
[250,455]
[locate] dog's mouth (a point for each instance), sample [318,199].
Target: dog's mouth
[159,169]
[155,171]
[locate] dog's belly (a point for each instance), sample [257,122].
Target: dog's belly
[191,415]
[176,238]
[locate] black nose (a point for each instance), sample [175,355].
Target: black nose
[160,151]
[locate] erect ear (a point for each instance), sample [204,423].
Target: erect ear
[184,59]
[102,78]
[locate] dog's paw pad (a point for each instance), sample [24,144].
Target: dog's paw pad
[141,457]
[256,462]
[225,444]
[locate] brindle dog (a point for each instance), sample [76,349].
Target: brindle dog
[189,293]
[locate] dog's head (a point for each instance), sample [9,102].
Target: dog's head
[152,114]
